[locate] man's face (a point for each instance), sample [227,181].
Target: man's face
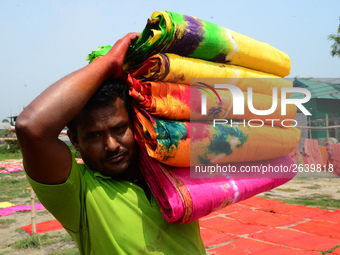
[105,139]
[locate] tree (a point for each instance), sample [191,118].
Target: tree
[5,121]
[336,45]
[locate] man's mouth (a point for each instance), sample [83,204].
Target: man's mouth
[115,158]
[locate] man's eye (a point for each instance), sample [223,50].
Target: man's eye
[94,135]
[120,128]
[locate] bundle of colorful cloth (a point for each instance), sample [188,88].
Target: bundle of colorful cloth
[171,66]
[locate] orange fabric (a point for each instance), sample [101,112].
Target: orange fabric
[324,154]
[182,102]
[311,154]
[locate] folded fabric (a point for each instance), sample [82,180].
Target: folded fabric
[183,199]
[178,69]
[180,144]
[333,150]
[183,102]
[190,36]
[311,154]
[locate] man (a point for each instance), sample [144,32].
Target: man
[105,204]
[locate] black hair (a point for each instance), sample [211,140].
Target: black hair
[106,95]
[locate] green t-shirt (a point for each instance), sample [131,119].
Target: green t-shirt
[105,216]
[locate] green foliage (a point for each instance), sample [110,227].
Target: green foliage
[13,185]
[335,48]
[5,121]
[28,242]
[74,152]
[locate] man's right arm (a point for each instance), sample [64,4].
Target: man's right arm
[47,159]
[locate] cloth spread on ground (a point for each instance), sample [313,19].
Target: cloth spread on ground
[19,208]
[9,166]
[183,199]
[5,204]
[103,215]
[43,227]
[175,142]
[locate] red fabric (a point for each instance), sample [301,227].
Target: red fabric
[333,150]
[311,154]
[43,227]
[295,155]
[324,154]
[293,238]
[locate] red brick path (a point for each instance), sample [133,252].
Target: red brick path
[267,227]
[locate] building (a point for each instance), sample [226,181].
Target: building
[324,106]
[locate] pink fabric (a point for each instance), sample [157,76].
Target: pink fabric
[311,154]
[9,210]
[183,199]
[333,150]
[295,155]
[9,166]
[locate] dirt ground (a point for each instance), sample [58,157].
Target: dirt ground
[299,187]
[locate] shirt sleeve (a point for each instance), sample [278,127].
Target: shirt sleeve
[64,200]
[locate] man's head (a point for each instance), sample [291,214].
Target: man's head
[102,132]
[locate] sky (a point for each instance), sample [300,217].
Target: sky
[42,41]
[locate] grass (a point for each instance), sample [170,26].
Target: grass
[38,241]
[322,201]
[314,186]
[4,156]
[4,223]
[330,250]
[287,189]
[13,185]
[65,252]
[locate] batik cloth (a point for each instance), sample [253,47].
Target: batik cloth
[182,144]
[182,102]
[184,35]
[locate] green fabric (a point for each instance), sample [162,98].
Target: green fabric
[105,216]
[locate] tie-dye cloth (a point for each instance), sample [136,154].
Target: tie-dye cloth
[311,154]
[177,69]
[183,199]
[184,35]
[182,102]
[333,151]
[180,144]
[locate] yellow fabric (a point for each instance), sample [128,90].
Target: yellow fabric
[5,204]
[183,144]
[177,69]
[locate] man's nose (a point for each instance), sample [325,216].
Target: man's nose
[111,144]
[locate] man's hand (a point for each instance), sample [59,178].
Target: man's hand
[47,159]
[118,52]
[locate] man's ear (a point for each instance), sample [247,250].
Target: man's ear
[74,139]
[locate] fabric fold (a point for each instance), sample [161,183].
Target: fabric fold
[182,144]
[182,102]
[186,35]
[178,69]
[183,199]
